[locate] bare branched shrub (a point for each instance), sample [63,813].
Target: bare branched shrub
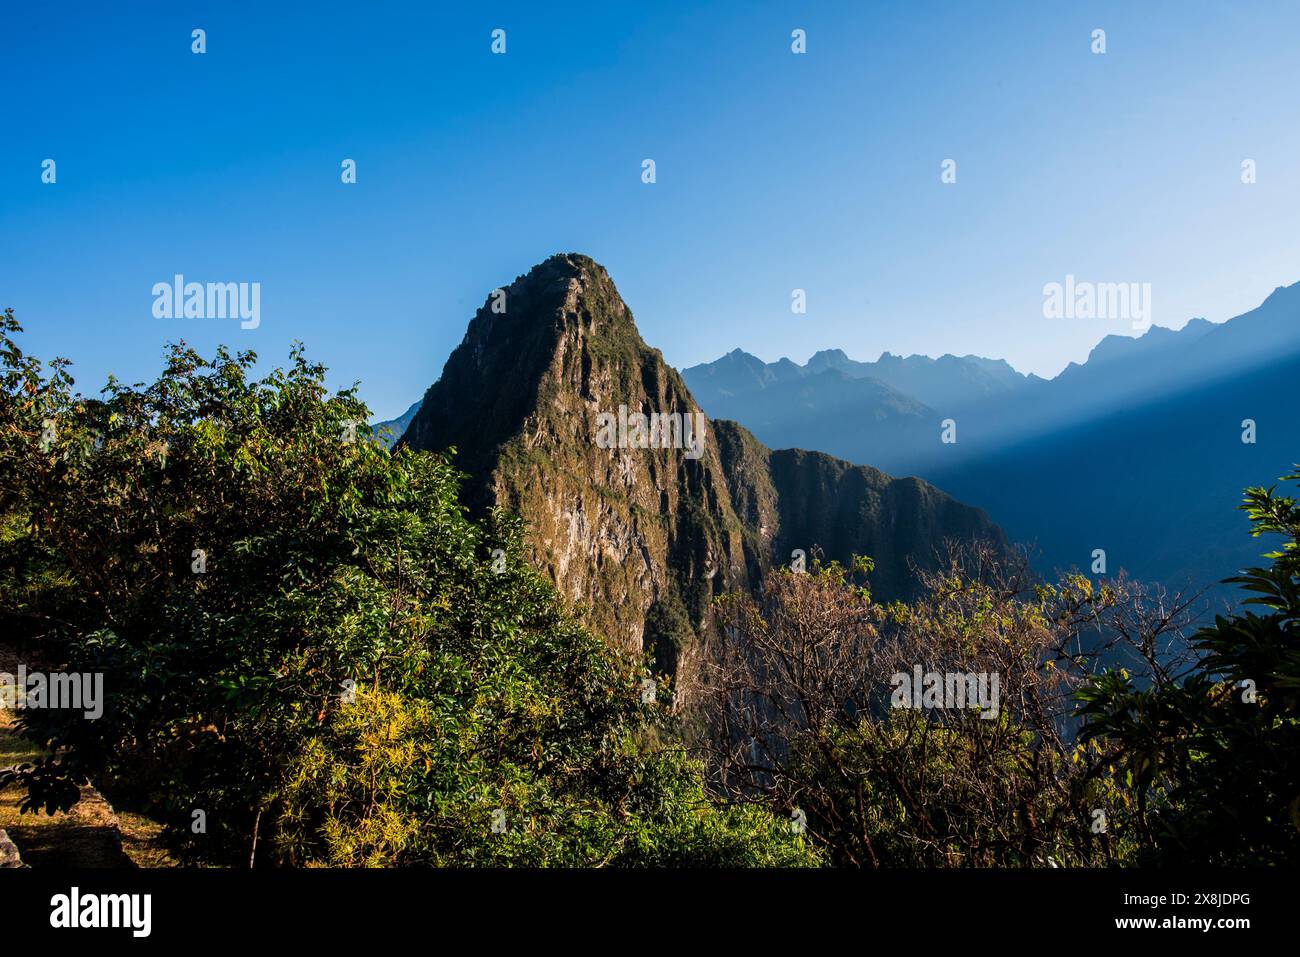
[927,733]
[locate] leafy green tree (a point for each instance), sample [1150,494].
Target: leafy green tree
[1212,759]
[305,639]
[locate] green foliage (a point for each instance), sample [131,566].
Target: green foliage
[667,632]
[423,781]
[305,637]
[1213,760]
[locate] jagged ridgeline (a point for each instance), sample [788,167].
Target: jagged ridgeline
[644,528]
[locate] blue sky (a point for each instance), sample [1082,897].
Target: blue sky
[775,171]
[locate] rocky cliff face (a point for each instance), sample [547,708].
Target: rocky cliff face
[643,526]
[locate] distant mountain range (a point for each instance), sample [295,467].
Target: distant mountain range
[390,431]
[642,539]
[1137,451]
[932,382]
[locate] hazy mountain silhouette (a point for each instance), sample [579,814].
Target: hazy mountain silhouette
[390,431]
[1137,451]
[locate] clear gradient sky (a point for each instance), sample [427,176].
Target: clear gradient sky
[775,171]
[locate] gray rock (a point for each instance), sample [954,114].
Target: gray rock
[9,856]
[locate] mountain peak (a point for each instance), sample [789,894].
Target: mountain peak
[574,264]
[1282,292]
[645,535]
[638,533]
[570,275]
[827,357]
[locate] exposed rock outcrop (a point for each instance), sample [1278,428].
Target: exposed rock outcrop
[646,537]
